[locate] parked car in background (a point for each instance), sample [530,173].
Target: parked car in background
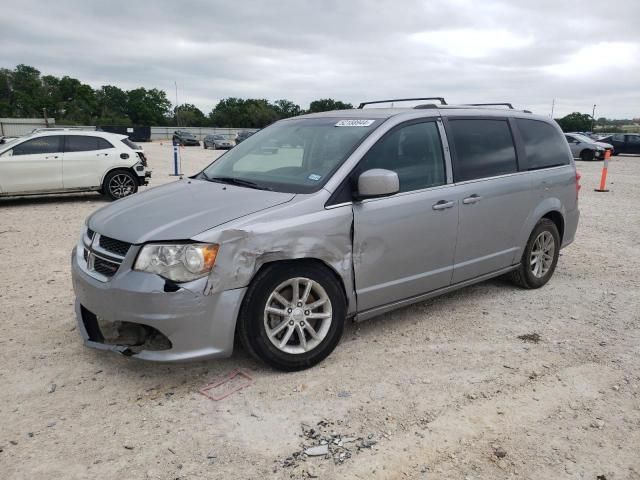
[624,142]
[185,139]
[374,210]
[217,142]
[585,148]
[243,135]
[62,160]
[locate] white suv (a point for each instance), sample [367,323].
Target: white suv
[66,160]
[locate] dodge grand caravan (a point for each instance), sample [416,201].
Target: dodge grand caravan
[322,218]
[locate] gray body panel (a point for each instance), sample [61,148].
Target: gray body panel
[387,252]
[402,247]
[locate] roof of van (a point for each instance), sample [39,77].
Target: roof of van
[442,110]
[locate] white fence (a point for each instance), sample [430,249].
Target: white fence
[165,133]
[17,127]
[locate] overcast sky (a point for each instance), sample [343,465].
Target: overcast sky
[526,52]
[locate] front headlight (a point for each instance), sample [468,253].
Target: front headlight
[179,262]
[600,149]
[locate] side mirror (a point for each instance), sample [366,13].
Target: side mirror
[378,182]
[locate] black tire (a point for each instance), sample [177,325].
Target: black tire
[251,320]
[587,155]
[524,275]
[119,184]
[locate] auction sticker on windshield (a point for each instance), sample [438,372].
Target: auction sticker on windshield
[354,123]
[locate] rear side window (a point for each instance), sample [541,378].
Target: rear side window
[49,144]
[85,143]
[543,145]
[130,144]
[484,148]
[414,152]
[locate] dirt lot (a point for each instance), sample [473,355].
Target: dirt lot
[442,389]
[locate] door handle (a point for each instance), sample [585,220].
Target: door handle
[472,199]
[442,204]
[51,156]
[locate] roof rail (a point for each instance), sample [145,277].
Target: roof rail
[491,105]
[440,99]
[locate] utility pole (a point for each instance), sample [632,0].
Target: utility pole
[176,112]
[553,105]
[593,113]
[46,119]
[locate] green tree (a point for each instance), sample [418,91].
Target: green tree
[112,106]
[148,107]
[5,92]
[575,122]
[238,112]
[188,115]
[286,108]
[328,104]
[27,93]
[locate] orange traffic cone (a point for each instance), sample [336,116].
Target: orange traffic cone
[603,175]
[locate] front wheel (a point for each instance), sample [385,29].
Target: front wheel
[292,316]
[540,256]
[120,184]
[587,155]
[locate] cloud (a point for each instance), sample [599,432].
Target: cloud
[524,52]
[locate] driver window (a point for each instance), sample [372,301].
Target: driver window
[414,152]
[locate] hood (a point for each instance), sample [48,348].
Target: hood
[180,210]
[604,145]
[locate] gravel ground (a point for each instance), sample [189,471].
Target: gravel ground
[441,389]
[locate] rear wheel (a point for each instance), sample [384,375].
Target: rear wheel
[540,256]
[587,155]
[120,184]
[292,316]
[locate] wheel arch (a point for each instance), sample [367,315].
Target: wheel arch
[309,261]
[118,168]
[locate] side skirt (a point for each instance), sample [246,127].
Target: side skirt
[374,312]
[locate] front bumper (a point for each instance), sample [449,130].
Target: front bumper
[198,326]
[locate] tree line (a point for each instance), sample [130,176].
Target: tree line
[25,92]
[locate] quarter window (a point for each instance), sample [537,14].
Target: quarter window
[36,146]
[414,152]
[85,143]
[484,148]
[543,144]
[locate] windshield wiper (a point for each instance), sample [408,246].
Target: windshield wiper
[238,181]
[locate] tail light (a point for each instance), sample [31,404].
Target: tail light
[578,186]
[142,158]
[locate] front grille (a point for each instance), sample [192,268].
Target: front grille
[105,267]
[114,246]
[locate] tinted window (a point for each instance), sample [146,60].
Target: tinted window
[38,146]
[618,137]
[543,145]
[635,139]
[130,144]
[414,152]
[484,148]
[82,143]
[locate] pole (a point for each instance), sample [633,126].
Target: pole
[46,119]
[553,105]
[603,175]
[176,84]
[593,113]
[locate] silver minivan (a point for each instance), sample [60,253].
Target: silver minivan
[322,218]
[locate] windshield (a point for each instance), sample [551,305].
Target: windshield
[130,144]
[295,156]
[583,138]
[218,137]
